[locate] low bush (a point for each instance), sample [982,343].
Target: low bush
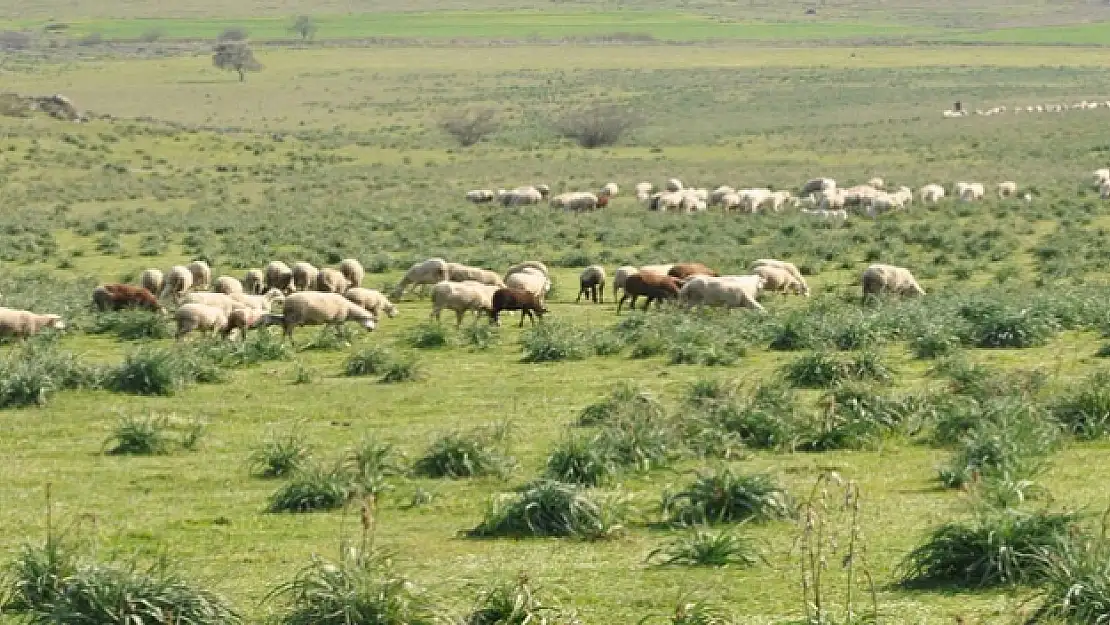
[580,460]
[1084,411]
[549,508]
[402,370]
[554,341]
[511,603]
[478,453]
[428,335]
[480,336]
[704,547]
[825,370]
[1075,581]
[313,488]
[1013,442]
[31,374]
[625,401]
[371,463]
[133,325]
[162,371]
[280,455]
[725,497]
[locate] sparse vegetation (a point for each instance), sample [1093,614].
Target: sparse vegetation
[597,125]
[470,126]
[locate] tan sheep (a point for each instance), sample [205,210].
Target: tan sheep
[192,316]
[1007,189]
[931,193]
[152,280]
[202,274]
[227,285]
[279,276]
[254,282]
[674,185]
[530,280]
[371,300]
[879,278]
[304,276]
[458,272]
[226,303]
[818,185]
[331,281]
[243,319]
[779,280]
[430,272]
[726,292]
[480,196]
[876,183]
[311,308]
[534,264]
[178,282]
[610,189]
[789,267]
[262,302]
[643,191]
[353,271]
[22,324]
[462,297]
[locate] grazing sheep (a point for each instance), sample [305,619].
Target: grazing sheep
[152,280]
[371,300]
[969,191]
[577,201]
[591,283]
[621,275]
[719,193]
[262,302]
[23,323]
[430,272]
[457,272]
[858,195]
[1101,176]
[311,309]
[279,276]
[726,292]
[931,193]
[530,280]
[544,190]
[610,190]
[663,269]
[254,282]
[533,264]
[778,200]
[225,303]
[818,185]
[674,185]
[653,286]
[304,276]
[480,196]
[876,182]
[522,196]
[879,278]
[330,281]
[202,274]
[243,319]
[462,297]
[1104,190]
[643,191]
[789,267]
[227,285]
[508,298]
[752,200]
[832,200]
[192,316]
[666,201]
[120,296]
[779,280]
[352,270]
[730,202]
[178,282]
[1007,189]
[685,270]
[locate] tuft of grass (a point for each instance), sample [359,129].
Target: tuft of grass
[280,455]
[140,436]
[705,547]
[554,341]
[625,401]
[457,455]
[480,336]
[312,489]
[510,603]
[37,576]
[716,417]
[998,547]
[579,460]
[1075,581]
[428,335]
[402,370]
[133,325]
[157,371]
[548,508]
[725,497]
[1084,412]
[257,347]
[30,375]
[371,462]
[1012,444]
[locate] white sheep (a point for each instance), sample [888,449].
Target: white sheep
[23,323]
[666,201]
[779,280]
[312,308]
[227,285]
[534,264]
[352,270]
[969,191]
[304,275]
[193,316]
[818,185]
[1101,176]
[1104,190]
[620,276]
[1007,189]
[152,280]
[243,319]
[374,301]
[254,281]
[279,276]
[880,278]
[730,202]
[786,266]
[876,183]
[643,191]
[262,302]
[832,200]
[610,189]
[331,281]
[778,200]
[226,303]
[178,282]
[931,193]
[522,196]
[674,185]
[726,292]
[458,272]
[718,194]
[530,280]
[462,297]
[202,274]
[428,272]
[480,196]
[577,201]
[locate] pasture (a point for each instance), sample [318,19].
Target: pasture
[331,153]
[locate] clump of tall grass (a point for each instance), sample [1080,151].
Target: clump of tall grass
[31,374]
[705,547]
[997,547]
[554,341]
[371,462]
[548,508]
[1084,411]
[624,401]
[161,371]
[995,325]
[260,346]
[280,455]
[694,611]
[477,453]
[313,488]
[766,419]
[402,370]
[1012,443]
[825,370]
[329,338]
[480,336]
[511,603]
[579,459]
[858,416]
[133,325]
[725,497]
[152,435]
[381,362]
[983,383]
[1075,581]
[428,335]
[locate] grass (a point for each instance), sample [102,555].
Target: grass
[551,509]
[279,455]
[725,497]
[703,547]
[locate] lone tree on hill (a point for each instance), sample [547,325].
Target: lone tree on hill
[304,26]
[237,56]
[469,127]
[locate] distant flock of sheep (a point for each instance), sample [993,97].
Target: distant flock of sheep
[1085,105]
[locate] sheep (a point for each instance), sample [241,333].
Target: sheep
[832,200]
[577,201]
[610,189]
[457,272]
[533,264]
[969,191]
[178,282]
[653,286]
[663,269]
[879,278]
[1007,189]
[225,303]
[243,319]
[719,193]
[194,316]
[262,302]
[227,285]
[279,276]
[858,195]
[685,270]
[778,199]
[643,191]
[352,270]
[544,190]
[789,267]
[462,297]
[903,197]
[620,276]
[108,297]
[152,280]
[22,324]
[202,274]
[691,201]
[311,308]
[751,200]
[480,196]
[304,276]
[876,183]
[674,185]
[1101,176]
[1104,190]
[931,193]
[591,283]
[253,282]
[531,281]
[730,202]
[666,201]
[818,185]
[428,272]
[330,281]
[520,197]
[508,298]
[371,300]
[727,292]
[779,280]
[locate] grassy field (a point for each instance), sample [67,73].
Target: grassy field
[334,153]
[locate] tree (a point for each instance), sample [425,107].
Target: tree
[597,125]
[237,56]
[304,26]
[469,127]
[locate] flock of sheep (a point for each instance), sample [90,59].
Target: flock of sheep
[1085,105]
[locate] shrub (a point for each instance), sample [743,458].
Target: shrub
[140,436]
[510,603]
[279,456]
[480,336]
[132,325]
[30,375]
[857,417]
[313,488]
[625,401]
[551,509]
[371,462]
[639,442]
[934,342]
[458,455]
[816,370]
[428,335]
[553,341]
[579,460]
[1013,441]
[725,497]
[157,371]
[703,547]
[1075,581]
[996,548]
[765,420]
[996,326]
[471,126]
[255,348]
[597,125]
[37,576]
[402,370]
[328,338]
[1084,411]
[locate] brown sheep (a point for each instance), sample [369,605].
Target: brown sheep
[119,296]
[685,270]
[507,298]
[654,286]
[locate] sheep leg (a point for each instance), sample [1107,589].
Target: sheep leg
[621,303]
[581,290]
[459,317]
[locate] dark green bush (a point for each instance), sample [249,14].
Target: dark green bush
[551,509]
[725,497]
